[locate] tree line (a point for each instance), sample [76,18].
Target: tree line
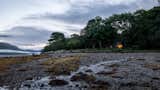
[138,30]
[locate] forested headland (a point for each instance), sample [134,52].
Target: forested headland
[138,30]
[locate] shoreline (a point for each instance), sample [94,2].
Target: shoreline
[95,71]
[102,51]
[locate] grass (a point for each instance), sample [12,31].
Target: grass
[62,66]
[6,62]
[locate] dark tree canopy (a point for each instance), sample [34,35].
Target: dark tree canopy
[138,30]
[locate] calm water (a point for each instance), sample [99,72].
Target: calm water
[13,53]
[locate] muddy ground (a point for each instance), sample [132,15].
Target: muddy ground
[97,71]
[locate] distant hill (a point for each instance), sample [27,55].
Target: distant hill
[8,46]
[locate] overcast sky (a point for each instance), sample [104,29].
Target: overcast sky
[29,23]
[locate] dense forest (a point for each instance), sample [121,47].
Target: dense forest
[138,30]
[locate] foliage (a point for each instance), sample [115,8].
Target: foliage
[138,30]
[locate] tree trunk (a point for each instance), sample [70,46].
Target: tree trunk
[93,46]
[100,44]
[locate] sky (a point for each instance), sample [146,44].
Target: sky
[29,23]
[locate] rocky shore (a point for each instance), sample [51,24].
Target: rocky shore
[91,71]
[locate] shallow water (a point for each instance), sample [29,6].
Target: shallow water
[42,84]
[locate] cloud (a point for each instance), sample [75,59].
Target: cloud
[32,21]
[15,10]
[27,37]
[83,10]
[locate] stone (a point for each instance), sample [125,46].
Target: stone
[106,72]
[29,78]
[83,77]
[100,85]
[140,59]
[89,70]
[100,82]
[27,85]
[58,82]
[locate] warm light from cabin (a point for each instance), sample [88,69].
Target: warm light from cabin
[120,46]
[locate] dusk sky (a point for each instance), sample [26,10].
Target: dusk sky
[29,23]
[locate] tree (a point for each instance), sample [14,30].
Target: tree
[143,34]
[98,33]
[56,36]
[90,30]
[74,42]
[56,42]
[138,30]
[120,24]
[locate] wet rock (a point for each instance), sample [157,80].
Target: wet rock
[100,82]
[70,86]
[58,82]
[106,72]
[129,84]
[136,88]
[76,85]
[89,70]
[27,85]
[29,78]
[131,58]
[22,69]
[156,78]
[118,75]
[145,84]
[111,72]
[140,59]
[114,65]
[115,76]
[142,88]
[42,85]
[157,60]
[83,77]
[100,85]
[85,86]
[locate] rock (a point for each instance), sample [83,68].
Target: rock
[106,72]
[140,59]
[89,70]
[83,77]
[85,86]
[111,72]
[131,58]
[129,84]
[42,85]
[76,85]
[29,78]
[156,78]
[145,84]
[157,60]
[117,76]
[114,65]
[100,82]
[136,88]
[22,69]
[100,85]
[58,82]
[70,86]
[27,85]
